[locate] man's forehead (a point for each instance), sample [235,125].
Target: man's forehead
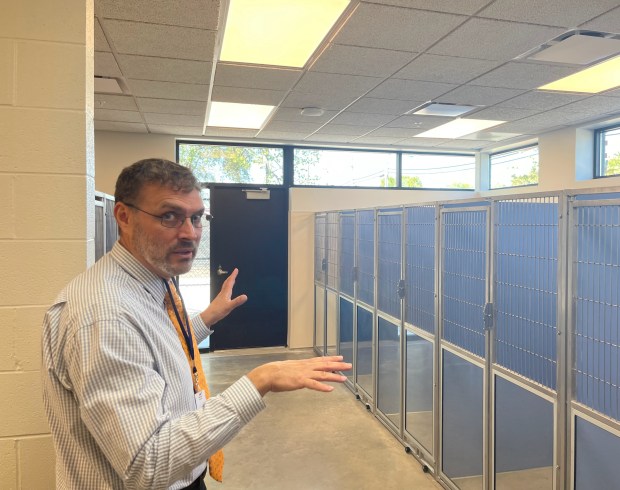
[169,195]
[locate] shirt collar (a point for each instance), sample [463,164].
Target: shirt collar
[151,282]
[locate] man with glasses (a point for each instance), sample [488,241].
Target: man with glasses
[124,389]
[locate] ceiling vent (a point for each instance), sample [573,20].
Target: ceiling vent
[105,85]
[577,47]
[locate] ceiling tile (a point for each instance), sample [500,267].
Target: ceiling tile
[524,75]
[424,142]
[447,69]
[164,106]
[355,60]
[174,119]
[499,113]
[608,22]
[466,7]
[163,41]
[329,83]
[165,69]
[328,101]
[125,127]
[541,100]
[190,13]
[479,96]
[294,114]
[491,136]
[295,127]
[361,119]
[493,39]
[410,89]
[377,140]
[281,135]
[345,129]
[465,144]
[384,106]
[380,26]
[176,130]
[329,138]
[392,132]
[419,122]
[247,95]
[168,90]
[571,14]
[598,104]
[101,44]
[105,66]
[120,102]
[115,115]
[255,77]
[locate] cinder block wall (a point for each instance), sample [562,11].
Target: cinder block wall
[47,216]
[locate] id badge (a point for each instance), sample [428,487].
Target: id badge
[200,399]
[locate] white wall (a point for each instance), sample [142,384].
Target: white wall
[566,157]
[46,195]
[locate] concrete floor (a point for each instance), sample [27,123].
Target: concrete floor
[306,440]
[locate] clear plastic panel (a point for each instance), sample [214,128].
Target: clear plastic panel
[388,371]
[345,324]
[419,396]
[523,438]
[596,457]
[332,322]
[319,319]
[364,350]
[462,413]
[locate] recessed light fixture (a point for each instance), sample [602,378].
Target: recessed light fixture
[458,128]
[278,32]
[597,78]
[233,115]
[439,109]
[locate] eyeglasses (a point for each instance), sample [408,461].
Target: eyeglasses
[170,219]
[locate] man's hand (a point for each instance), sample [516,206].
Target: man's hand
[223,303]
[294,375]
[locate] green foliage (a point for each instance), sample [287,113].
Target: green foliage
[407,181]
[460,185]
[530,178]
[613,165]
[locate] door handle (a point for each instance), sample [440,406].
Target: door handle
[220,272]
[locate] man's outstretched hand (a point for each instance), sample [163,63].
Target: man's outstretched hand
[294,375]
[223,303]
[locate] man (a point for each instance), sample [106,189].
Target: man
[124,390]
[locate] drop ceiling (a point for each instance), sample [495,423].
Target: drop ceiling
[382,61]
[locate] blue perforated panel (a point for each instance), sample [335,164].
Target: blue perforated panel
[464,279]
[346,252]
[389,263]
[366,256]
[420,267]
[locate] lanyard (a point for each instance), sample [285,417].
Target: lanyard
[185,330]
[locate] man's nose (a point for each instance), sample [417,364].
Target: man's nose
[188,230]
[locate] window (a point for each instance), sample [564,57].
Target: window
[233,164]
[438,171]
[514,168]
[346,168]
[608,152]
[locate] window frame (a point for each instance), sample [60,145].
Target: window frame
[509,150]
[599,148]
[288,164]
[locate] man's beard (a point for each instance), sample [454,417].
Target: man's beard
[156,254]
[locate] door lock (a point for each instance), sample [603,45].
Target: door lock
[220,272]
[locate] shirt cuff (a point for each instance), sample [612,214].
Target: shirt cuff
[246,399]
[201,329]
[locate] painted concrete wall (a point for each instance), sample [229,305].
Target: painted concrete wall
[47,221]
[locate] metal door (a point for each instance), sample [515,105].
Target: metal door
[249,231]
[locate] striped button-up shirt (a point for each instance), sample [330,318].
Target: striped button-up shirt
[117,386]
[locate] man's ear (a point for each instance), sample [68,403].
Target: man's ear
[121,214]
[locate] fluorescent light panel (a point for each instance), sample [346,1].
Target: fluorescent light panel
[278,32]
[578,50]
[597,78]
[458,128]
[233,115]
